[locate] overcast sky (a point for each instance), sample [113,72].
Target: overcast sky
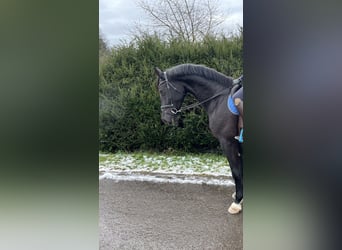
[117,18]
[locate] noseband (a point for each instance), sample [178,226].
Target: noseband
[175,111]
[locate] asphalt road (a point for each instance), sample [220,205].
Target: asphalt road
[145,215]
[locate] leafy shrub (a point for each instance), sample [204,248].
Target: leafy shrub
[129,105]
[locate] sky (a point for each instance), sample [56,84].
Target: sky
[117,18]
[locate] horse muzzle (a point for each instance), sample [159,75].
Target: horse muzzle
[170,119]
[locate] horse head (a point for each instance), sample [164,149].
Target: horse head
[171,98]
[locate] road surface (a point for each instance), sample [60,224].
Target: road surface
[147,215]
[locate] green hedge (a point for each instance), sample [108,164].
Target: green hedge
[129,108]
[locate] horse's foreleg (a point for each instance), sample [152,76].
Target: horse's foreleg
[231,150]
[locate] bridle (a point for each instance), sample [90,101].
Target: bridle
[175,111]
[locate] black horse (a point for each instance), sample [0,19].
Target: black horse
[211,89]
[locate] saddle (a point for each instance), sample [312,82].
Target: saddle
[235,88]
[238,80]
[237,84]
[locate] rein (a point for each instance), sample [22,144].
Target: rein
[175,111]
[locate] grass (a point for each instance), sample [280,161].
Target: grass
[182,163]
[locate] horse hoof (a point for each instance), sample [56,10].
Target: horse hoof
[234,208]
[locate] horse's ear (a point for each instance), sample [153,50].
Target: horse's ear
[158,72]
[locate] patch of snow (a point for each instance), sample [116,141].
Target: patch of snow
[169,178]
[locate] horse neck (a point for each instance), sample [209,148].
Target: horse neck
[202,88]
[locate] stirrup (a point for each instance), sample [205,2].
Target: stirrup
[239,137]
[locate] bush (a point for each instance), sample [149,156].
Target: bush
[129,105]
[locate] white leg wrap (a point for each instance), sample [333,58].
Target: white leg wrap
[235,208]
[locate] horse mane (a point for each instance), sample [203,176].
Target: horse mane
[199,70]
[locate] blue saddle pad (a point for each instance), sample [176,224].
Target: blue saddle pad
[231,106]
